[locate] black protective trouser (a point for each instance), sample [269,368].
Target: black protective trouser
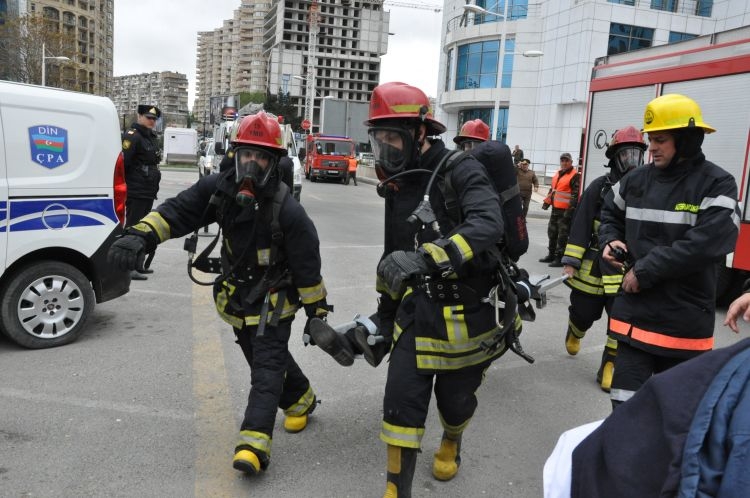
[633,367]
[586,308]
[276,379]
[407,391]
[135,209]
[558,229]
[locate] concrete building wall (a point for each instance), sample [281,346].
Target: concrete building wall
[166,90]
[547,100]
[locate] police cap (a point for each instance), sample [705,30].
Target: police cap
[149,110]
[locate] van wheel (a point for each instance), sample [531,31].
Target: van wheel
[45,304]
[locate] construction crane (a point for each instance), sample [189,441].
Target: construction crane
[313,19]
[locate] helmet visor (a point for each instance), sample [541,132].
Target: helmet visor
[254,163]
[628,158]
[391,147]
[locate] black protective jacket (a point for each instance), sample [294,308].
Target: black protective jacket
[246,246]
[141,152]
[480,229]
[677,222]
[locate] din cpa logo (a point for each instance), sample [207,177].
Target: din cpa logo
[48,145]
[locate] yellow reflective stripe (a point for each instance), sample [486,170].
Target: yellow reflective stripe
[312,294]
[574,251]
[437,253]
[612,279]
[302,405]
[433,362]
[576,331]
[596,290]
[222,299]
[264,257]
[256,440]
[455,323]
[158,224]
[464,249]
[410,108]
[611,289]
[404,437]
[454,430]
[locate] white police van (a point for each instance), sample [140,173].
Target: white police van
[62,203]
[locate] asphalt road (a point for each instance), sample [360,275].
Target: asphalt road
[147,403]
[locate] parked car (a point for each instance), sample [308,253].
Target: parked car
[208,162]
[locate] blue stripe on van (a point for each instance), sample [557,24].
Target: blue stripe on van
[26,215]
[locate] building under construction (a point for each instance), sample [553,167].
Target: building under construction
[280,46]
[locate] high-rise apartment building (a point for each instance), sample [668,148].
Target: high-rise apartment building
[166,90]
[265,46]
[541,101]
[89,25]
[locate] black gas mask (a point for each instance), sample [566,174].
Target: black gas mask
[626,158]
[255,168]
[395,149]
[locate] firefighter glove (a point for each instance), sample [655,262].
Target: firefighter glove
[318,309]
[399,266]
[127,252]
[545,206]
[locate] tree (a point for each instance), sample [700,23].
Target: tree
[21,41]
[280,105]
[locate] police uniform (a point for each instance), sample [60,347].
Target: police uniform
[246,249]
[141,153]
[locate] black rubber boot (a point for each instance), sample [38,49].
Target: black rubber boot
[401,463]
[373,354]
[330,341]
[548,258]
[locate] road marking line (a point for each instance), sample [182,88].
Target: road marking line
[215,429]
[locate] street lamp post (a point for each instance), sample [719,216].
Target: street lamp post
[44,63]
[312,94]
[323,110]
[476,9]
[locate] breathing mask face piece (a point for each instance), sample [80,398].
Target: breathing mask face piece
[628,158]
[254,167]
[392,148]
[467,145]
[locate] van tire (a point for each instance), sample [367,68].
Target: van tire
[61,288]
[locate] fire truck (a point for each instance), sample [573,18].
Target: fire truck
[714,70]
[327,156]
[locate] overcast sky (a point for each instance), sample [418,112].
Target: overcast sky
[161,35]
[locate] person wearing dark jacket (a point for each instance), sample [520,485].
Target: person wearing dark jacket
[594,283]
[667,224]
[142,156]
[436,335]
[270,262]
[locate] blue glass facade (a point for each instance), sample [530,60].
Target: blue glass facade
[476,64]
[485,114]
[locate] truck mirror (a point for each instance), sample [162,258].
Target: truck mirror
[219,148]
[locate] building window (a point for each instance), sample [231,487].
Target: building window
[704,7]
[476,66]
[675,36]
[623,2]
[624,38]
[486,114]
[517,9]
[668,5]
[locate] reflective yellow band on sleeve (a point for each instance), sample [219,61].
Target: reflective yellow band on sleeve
[574,251]
[464,249]
[437,253]
[312,294]
[158,224]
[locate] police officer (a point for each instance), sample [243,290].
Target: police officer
[142,156]
[594,283]
[436,334]
[667,224]
[270,261]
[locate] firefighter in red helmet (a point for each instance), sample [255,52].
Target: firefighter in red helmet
[435,336]
[472,133]
[593,282]
[270,262]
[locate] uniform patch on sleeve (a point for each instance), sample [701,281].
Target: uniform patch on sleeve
[126,144]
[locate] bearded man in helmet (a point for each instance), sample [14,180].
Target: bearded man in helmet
[593,282]
[667,224]
[270,261]
[436,335]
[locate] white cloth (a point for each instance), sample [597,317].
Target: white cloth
[559,465]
